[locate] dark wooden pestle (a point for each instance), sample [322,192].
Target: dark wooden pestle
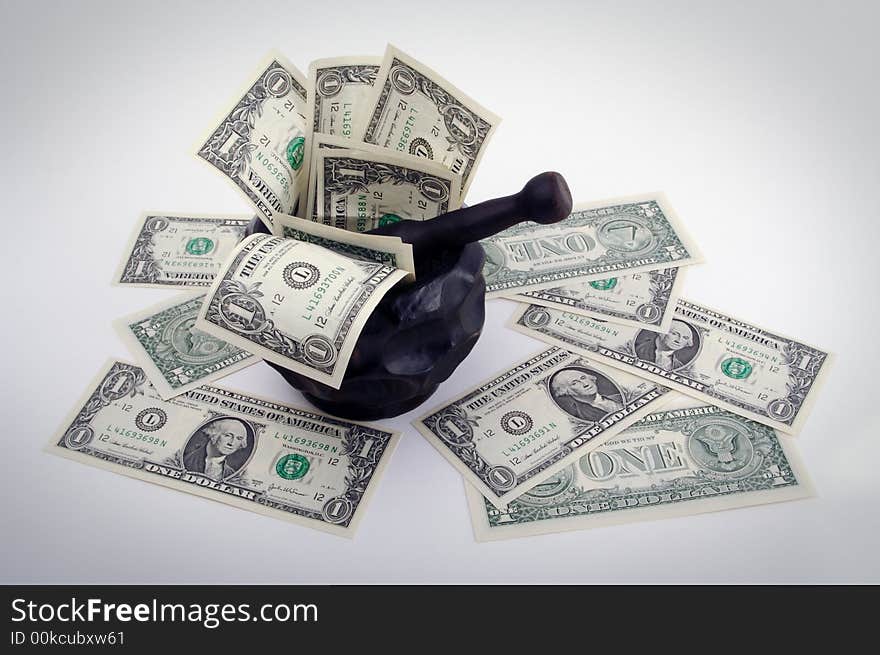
[544,199]
[421,331]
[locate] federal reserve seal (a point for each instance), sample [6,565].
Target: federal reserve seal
[516,423]
[151,419]
[420,147]
[301,275]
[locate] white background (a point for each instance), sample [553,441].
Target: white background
[757,119]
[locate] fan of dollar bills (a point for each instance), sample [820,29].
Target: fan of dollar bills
[644,405]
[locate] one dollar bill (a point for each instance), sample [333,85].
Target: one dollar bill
[597,241]
[359,190]
[388,250]
[260,143]
[532,420]
[248,452]
[338,89]
[680,461]
[641,299]
[295,303]
[175,355]
[415,111]
[170,250]
[319,142]
[713,357]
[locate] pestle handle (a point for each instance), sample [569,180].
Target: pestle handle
[544,199]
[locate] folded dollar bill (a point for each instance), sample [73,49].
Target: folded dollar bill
[641,299]
[361,189]
[713,357]
[260,143]
[415,111]
[532,420]
[171,250]
[388,250]
[338,89]
[319,141]
[295,303]
[597,241]
[273,459]
[175,355]
[687,458]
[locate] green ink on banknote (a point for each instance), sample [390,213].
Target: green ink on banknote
[199,246]
[292,467]
[296,152]
[388,219]
[604,285]
[736,368]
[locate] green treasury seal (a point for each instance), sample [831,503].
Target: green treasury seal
[292,467]
[388,219]
[296,152]
[736,368]
[199,246]
[604,285]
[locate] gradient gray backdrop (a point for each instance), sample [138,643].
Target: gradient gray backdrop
[759,120]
